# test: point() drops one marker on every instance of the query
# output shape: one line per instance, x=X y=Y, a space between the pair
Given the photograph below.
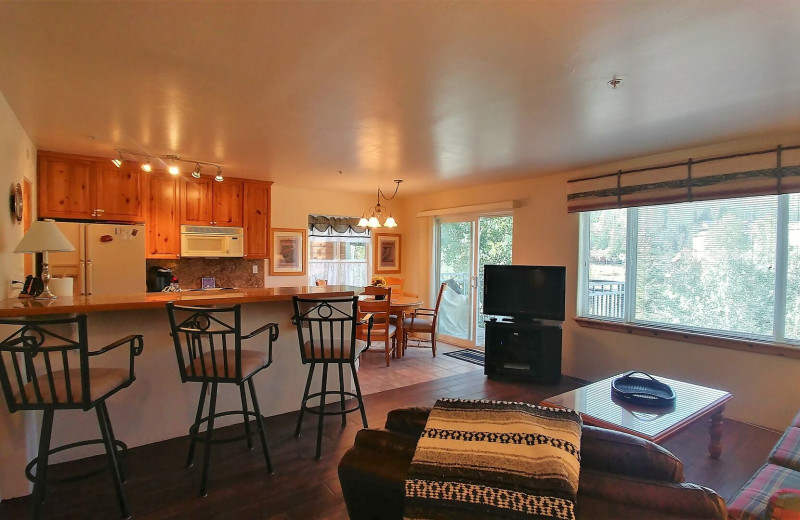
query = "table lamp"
x=44 y=236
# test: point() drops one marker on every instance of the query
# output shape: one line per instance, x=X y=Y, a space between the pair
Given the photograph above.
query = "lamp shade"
x=44 y=235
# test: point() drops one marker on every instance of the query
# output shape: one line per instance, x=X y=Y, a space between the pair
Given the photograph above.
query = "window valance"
x=765 y=172
x=333 y=226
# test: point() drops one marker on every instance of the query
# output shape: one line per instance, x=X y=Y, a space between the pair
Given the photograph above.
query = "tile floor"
x=417 y=366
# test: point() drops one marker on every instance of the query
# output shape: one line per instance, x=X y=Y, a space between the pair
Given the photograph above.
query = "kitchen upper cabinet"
x=77 y=187
x=256 y=219
x=205 y=202
x=228 y=198
x=119 y=192
x=163 y=217
x=64 y=187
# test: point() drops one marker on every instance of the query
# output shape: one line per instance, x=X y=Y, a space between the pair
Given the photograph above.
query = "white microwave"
x=212 y=241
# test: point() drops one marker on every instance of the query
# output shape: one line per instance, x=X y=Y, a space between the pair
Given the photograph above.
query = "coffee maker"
x=158 y=278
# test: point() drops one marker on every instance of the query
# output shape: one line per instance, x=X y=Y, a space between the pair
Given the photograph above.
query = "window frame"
x=776 y=344
x=338 y=238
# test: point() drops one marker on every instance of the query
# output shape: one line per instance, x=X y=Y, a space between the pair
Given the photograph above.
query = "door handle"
x=89 y=277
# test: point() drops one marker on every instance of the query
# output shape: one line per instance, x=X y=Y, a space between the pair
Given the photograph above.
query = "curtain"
x=322 y=225
x=765 y=172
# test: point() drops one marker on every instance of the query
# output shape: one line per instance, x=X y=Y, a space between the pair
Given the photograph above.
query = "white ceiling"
x=436 y=93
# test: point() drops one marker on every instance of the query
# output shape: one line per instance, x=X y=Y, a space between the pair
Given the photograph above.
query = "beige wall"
x=764 y=387
x=292 y=206
x=17 y=161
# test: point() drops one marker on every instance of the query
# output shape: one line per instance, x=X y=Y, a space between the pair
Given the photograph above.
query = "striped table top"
x=597 y=407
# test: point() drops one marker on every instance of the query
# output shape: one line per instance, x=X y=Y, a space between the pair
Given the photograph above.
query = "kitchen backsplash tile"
x=228 y=272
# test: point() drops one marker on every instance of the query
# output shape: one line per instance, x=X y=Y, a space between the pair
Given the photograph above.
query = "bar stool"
x=38 y=371
x=329 y=339
x=209 y=351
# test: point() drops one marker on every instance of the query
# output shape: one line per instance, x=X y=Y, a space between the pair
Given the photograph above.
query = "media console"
x=526 y=350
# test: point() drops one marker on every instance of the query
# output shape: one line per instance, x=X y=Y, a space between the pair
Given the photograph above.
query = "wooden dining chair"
x=423 y=321
x=395 y=284
x=321 y=283
x=382 y=328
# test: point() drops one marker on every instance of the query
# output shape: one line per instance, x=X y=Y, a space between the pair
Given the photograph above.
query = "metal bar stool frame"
x=206 y=338
x=49 y=384
x=318 y=316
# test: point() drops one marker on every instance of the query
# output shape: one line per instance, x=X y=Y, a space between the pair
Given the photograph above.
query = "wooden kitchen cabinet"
x=87 y=188
x=256 y=219
x=119 y=192
x=163 y=217
x=206 y=202
x=64 y=186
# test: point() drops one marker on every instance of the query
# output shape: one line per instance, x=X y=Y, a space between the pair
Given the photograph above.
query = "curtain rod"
x=686 y=163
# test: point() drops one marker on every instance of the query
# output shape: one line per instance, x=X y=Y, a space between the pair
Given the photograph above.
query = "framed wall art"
x=387 y=253
x=288 y=252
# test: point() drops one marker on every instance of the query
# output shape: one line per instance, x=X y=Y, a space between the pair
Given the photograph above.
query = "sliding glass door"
x=463 y=246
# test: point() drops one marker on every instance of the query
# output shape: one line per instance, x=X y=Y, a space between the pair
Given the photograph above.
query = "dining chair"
x=423 y=321
x=321 y=283
x=382 y=329
x=395 y=284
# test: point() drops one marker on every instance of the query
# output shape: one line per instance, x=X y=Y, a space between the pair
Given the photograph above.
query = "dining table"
x=398 y=306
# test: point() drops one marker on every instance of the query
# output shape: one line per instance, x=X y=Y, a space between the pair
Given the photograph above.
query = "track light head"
x=196 y=172
x=218 y=178
x=118 y=161
x=146 y=166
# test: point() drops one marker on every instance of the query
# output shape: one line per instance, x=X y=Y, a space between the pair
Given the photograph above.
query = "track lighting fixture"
x=377 y=212
x=118 y=161
x=173 y=168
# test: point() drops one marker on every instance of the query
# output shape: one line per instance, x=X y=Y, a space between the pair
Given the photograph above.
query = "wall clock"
x=17 y=202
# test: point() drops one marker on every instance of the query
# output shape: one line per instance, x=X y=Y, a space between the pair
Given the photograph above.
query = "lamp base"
x=46 y=295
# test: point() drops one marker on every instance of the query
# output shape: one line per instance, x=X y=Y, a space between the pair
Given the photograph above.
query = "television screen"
x=524 y=292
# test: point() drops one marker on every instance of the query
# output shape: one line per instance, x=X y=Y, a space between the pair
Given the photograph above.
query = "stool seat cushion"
x=335 y=350
x=420 y=325
x=101 y=382
x=252 y=361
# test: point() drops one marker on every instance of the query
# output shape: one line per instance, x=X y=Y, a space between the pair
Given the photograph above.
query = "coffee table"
x=692 y=402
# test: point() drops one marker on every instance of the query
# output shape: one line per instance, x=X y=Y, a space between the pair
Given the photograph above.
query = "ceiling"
x=436 y=93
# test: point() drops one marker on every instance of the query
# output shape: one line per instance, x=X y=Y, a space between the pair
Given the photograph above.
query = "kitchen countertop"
x=67 y=305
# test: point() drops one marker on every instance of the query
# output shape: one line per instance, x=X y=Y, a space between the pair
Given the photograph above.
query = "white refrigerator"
x=108 y=258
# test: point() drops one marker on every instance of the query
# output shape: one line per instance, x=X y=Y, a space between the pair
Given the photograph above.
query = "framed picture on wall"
x=288 y=252
x=387 y=253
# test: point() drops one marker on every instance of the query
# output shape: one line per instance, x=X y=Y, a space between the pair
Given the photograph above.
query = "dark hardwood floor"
x=160 y=487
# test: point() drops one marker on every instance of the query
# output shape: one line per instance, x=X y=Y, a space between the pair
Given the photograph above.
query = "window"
x=341 y=260
x=730 y=266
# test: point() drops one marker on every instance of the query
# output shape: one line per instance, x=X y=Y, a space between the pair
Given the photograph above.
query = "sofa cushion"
x=786 y=452
x=784 y=504
x=625 y=454
x=751 y=501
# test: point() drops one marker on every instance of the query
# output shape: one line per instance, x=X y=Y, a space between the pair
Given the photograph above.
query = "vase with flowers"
x=378 y=281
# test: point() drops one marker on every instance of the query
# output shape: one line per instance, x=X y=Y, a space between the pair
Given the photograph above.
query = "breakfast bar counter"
x=157 y=406
x=127 y=302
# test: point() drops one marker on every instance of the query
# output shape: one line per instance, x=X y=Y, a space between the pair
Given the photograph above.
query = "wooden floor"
x=159 y=487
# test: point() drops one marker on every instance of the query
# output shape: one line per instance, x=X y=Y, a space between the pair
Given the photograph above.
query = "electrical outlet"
x=255 y=268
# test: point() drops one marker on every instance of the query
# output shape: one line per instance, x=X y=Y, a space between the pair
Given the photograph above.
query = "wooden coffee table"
x=692 y=402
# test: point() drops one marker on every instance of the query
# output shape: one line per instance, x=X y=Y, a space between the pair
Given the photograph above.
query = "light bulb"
x=174 y=170
x=146 y=167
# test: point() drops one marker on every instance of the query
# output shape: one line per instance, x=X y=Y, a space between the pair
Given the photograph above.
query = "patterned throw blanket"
x=495 y=459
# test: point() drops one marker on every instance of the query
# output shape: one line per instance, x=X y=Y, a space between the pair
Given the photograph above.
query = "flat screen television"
x=524 y=292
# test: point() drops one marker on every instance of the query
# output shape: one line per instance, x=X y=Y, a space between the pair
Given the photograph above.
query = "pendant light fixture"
x=373 y=216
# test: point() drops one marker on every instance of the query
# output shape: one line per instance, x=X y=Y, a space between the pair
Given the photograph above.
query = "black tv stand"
x=529 y=350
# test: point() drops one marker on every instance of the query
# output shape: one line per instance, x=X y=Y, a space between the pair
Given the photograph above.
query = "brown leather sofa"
x=622 y=476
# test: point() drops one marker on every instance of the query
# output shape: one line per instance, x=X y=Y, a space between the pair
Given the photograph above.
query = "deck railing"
x=607 y=298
